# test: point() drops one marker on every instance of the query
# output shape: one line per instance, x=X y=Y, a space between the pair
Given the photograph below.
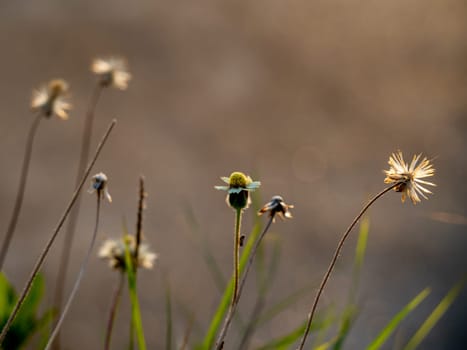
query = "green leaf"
x=350 y=312
x=287 y=340
x=42 y=324
x=435 y=316
x=347 y=322
x=26 y=322
x=283 y=304
x=362 y=242
x=32 y=301
x=209 y=258
x=273 y=268
x=265 y=280
x=135 y=309
x=226 y=297
x=7 y=298
x=396 y=320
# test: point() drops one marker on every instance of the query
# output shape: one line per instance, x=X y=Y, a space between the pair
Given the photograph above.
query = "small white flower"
x=52 y=99
x=409 y=176
x=114 y=251
x=113 y=71
x=99 y=185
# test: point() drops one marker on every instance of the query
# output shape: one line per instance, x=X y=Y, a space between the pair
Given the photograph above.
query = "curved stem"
x=113 y=310
x=47 y=247
x=334 y=259
x=71 y=227
x=22 y=186
x=233 y=306
x=82 y=270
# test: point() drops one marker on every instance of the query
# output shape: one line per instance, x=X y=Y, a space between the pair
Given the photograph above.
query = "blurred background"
x=309 y=97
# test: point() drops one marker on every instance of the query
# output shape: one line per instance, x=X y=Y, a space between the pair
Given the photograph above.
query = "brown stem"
x=334 y=259
x=71 y=227
x=44 y=253
x=82 y=270
x=139 y=220
x=22 y=186
x=233 y=306
x=113 y=310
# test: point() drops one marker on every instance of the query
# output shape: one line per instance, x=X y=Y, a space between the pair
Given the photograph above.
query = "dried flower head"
x=99 y=185
x=277 y=206
x=239 y=186
x=114 y=251
x=112 y=71
x=52 y=99
x=409 y=176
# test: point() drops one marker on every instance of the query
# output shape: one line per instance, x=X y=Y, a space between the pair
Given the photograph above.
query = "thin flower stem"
x=71 y=227
x=44 y=253
x=334 y=259
x=238 y=224
x=22 y=186
x=82 y=270
x=113 y=310
x=233 y=306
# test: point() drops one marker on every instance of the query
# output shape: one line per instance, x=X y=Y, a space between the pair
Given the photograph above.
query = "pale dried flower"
x=409 y=177
x=99 y=185
x=113 y=71
x=277 y=206
x=52 y=99
x=114 y=251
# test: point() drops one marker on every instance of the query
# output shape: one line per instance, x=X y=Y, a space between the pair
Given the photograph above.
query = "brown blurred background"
x=310 y=97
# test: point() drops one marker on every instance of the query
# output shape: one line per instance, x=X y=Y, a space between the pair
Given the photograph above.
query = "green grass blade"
x=209 y=258
x=273 y=267
x=260 y=269
x=7 y=298
x=135 y=309
x=435 y=316
x=287 y=340
x=283 y=304
x=32 y=301
x=396 y=320
x=264 y=284
x=226 y=297
x=41 y=326
x=350 y=312
x=360 y=250
x=349 y=316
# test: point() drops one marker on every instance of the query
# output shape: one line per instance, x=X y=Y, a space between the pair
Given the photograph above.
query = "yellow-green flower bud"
x=238 y=179
x=238 y=187
x=239 y=200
